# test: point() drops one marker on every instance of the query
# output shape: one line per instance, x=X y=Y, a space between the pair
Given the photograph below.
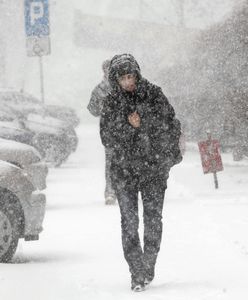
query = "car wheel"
x=8 y=234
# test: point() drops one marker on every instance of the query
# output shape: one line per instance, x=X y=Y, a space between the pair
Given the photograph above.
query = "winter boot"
x=147 y=281
x=138 y=287
x=149 y=277
x=137 y=284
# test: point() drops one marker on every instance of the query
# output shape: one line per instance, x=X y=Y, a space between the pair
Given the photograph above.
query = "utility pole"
x=41 y=80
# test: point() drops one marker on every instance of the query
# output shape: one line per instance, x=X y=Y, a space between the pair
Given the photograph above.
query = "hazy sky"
x=197 y=13
x=68 y=63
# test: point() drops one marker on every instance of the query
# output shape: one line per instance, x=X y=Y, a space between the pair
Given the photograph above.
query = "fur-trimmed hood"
x=120 y=65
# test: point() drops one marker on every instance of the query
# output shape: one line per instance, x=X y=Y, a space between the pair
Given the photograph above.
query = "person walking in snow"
x=95 y=106
x=139 y=125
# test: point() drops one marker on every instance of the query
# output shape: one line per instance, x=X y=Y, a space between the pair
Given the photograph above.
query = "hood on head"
x=121 y=65
x=105 y=66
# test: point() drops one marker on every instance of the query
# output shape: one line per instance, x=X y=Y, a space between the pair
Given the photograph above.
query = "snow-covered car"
x=12 y=130
x=25 y=103
x=52 y=137
x=54 y=144
x=28 y=159
x=19 y=102
x=67 y=114
x=7 y=114
x=37 y=122
x=22 y=210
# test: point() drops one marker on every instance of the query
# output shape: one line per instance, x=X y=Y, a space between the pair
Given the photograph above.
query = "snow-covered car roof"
x=17 y=95
x=6 y=166
x=5 y=131
x=6 y=128
x=16 y=152
x=46 y=120
x=25 y=103
x=10 y=124
x=5 y=116
x=37 y=124
x=61 y=109
x=11 y=127
x=12 y=131
x=65 y=113
x=19 y=101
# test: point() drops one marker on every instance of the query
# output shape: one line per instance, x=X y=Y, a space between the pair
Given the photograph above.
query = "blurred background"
x=195 y=50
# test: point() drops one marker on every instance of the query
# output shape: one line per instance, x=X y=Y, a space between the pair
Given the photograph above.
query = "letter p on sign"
x=36 y=12
x=36 y=18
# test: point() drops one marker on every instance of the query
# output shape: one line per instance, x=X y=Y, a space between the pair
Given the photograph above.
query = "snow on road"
x=204 y=252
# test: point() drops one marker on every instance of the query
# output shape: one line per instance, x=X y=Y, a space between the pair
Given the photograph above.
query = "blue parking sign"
x=36 y=18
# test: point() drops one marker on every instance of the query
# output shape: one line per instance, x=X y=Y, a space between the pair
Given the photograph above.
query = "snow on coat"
x=155 y=144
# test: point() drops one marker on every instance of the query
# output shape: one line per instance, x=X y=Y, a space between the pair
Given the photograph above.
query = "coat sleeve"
x=115 y=131
x=169 y=129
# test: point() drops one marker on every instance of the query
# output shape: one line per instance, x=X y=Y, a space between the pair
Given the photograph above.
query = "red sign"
x=210 y=156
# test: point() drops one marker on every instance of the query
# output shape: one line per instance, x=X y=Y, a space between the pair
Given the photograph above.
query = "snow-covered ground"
x=204 y=253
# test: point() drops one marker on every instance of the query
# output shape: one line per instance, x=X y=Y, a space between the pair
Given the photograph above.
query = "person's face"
x=127 y=82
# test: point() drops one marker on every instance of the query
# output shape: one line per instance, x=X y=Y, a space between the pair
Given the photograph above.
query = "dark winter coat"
x=154 y=146
x=97 y=98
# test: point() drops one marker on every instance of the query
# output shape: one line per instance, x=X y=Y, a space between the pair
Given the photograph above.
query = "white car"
x=26 y=103
x=28 y=159
x=64 y=113
x=12 y=130
x=22 y=210
x=54 y=138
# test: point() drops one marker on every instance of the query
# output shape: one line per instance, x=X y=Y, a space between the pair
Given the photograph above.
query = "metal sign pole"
x=41 y=80
x=216 y=180
x=213 y=163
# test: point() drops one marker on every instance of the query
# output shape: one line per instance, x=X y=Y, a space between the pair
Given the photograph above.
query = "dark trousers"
x=152 y=188
x=109 y=192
